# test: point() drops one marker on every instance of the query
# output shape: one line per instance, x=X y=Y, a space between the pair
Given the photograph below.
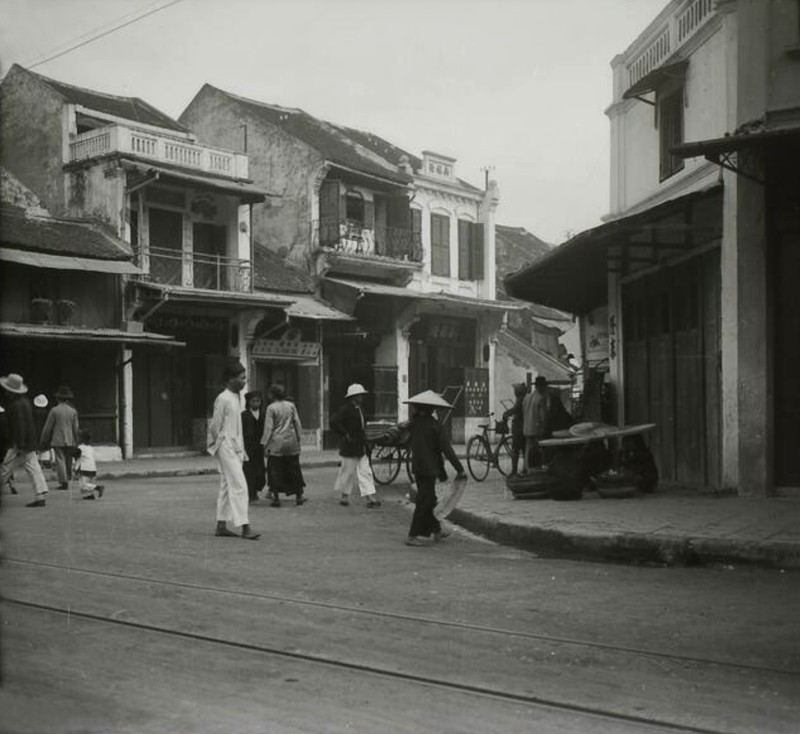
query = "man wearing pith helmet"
x=22 y=439
x=354 y=471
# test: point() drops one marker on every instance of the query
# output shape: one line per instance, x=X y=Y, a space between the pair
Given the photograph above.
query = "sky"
x=516 y=86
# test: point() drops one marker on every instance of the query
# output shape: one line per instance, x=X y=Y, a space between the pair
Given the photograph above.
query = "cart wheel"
x=410 y=473
x=478 y=458
x=385 y=463
x=504 y=460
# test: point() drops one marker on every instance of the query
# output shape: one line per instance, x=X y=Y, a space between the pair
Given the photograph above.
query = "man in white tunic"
x=226 y=443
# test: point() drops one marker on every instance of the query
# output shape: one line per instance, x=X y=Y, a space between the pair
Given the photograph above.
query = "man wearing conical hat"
x=22 y=439
x=429 y=448
x=61 y=433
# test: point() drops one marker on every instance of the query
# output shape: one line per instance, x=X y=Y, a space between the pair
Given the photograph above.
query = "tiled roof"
x=272 y=273
x=129 y=108
x=520 y=240
x=327 y=139
x=60 y=236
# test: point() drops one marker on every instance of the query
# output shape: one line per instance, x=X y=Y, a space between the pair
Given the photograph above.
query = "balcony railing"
x=161 y=149
x=669 y=37
x=352 y=237
x=170 y=266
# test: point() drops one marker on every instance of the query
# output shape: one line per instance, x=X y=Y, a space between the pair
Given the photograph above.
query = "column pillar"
x=127 y=403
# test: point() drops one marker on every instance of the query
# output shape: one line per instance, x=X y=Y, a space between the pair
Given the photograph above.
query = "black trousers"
x=424 y=523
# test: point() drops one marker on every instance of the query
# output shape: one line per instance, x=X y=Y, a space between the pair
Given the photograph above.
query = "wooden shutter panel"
x=464 y=250
x=476 y=251
x=440 y=245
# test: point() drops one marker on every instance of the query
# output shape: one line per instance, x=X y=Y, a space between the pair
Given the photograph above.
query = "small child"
x=86 y=468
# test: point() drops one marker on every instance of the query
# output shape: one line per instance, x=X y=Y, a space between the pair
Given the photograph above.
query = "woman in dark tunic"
x=429 y=446
x=252 y=429
x=517 y=420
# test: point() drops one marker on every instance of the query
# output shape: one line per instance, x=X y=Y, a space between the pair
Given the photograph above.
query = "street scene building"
x=686 y=294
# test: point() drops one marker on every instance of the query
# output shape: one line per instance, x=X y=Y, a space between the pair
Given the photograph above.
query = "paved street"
x=127 y=615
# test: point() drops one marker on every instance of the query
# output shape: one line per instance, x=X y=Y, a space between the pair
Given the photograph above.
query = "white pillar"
x=127 y=403
x=403 y=352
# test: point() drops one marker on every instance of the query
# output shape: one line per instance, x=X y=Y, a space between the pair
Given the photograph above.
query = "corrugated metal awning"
x=225 y=298
x=308 y=307
x=86 y=334
x=380 y=289
x=66 y=262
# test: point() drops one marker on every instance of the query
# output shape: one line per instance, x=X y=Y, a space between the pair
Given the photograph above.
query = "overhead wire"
x=103 y=34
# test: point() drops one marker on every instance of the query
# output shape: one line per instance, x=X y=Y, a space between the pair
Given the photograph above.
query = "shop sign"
x=285 y=348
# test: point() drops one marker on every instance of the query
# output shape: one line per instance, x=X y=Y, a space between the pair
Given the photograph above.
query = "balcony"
x=123 y=140
x=170 y=266
x=350 y=237
x=676 y=30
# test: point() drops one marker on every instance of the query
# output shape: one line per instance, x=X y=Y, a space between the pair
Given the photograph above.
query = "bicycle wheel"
x=478 y=458
x=504 y=461
x=385 y=463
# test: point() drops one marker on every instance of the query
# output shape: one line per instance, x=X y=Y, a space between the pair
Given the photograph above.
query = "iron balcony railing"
x=207 y=271
x=352 y=237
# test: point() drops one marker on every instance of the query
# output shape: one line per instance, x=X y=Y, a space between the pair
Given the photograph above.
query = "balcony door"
x=166 y=246
x=210 y=269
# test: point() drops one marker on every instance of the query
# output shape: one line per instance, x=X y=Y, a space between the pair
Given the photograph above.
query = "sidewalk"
x=672 y=526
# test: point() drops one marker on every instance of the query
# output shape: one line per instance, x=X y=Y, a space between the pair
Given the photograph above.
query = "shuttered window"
x=440 y=245
x=670 y=132
x=470 y=250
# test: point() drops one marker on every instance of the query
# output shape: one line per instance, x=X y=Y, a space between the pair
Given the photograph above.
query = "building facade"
x=698 y=256
x=397 y=242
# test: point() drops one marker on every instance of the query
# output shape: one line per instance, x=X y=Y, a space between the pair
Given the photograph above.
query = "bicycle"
x=481 y=457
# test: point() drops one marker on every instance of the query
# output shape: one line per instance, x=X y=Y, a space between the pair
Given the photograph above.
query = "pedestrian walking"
x=252 y=430
x=281 y=441
x=515 y=413
x=86 y=467
x=22 y=439
x=226 y=443
x=429 y=448
x=60 y=433
x=354 y=470
x=4 y=446
x=543 y=413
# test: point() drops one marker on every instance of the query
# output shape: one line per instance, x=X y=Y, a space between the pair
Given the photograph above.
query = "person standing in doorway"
x=354 y=470
x=22 y=439
x=252 y=429
x=429 y=448
x=281 y=440
x=226 y=443
x=61 y=433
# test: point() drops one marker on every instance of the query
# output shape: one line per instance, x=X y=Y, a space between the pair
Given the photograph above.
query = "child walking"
x=86 y=467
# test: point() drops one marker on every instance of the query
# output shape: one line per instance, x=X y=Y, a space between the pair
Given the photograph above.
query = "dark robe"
x=254 y=468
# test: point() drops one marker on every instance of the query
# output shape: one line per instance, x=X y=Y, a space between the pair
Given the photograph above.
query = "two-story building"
x=399 y=243
x=694 y=273
x=185 y=210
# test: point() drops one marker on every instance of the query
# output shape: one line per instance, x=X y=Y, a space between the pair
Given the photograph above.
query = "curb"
x=199 y=471
x=630 y=548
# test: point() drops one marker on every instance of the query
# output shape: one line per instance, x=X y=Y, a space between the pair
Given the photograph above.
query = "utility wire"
x=105 y=33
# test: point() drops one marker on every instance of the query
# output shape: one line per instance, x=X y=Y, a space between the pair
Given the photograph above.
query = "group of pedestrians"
x=73 y=454
x=246 y=463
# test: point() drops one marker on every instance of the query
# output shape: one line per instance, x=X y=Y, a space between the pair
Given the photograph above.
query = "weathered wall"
x=278 y=162
x=31 y=136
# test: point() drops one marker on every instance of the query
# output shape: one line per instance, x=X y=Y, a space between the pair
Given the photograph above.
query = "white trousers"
x=232 y=498
x=28 y=460
x=354 y=472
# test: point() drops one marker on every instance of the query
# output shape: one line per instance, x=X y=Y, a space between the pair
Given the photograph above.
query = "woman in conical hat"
x=429 y=446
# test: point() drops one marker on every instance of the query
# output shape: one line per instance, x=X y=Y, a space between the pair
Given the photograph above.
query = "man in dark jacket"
x=429 y=447
x=22 y=439
x=348 y=422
